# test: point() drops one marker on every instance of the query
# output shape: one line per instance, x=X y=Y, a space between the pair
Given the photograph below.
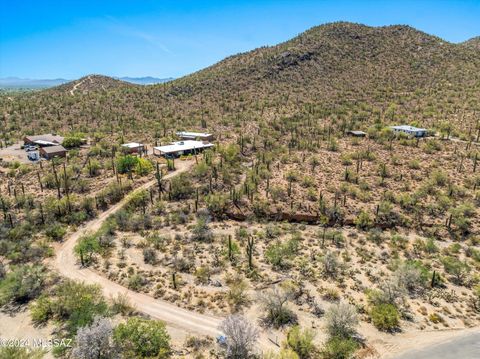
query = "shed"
x=356 y=133
x=134 y=147
x=48 y=139
x=176 y=149
x=53 y=151
x=185 y=135
x=410 y=130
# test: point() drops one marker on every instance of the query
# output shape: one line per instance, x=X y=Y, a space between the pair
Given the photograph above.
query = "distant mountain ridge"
x=21 y=83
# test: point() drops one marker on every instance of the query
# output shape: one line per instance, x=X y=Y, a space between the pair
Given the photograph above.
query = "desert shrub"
x=136 y=282
x=22 y=284
x=142 y=338
x=375 y=235
x=241 y=337
x=216 y=204
x=237 y=294
x=331 y=264
x=363 y=220
x=86 y=248
x=274 y=302
x=143 y=167
x=342 y=320
x=385 y=316
x=138 y=199
x=278 y=254
x=181 y=187
x=73 y=140
x=95 y=341
x=126 y=164
x=301 y=342
x=456 y=268
x=283 y=353
x=339 y=348
x=56 y=231
x=19 y=352
x=149 y=255
x=201 y=231
x=121 y=305
x=76 y=304
x=412 y=275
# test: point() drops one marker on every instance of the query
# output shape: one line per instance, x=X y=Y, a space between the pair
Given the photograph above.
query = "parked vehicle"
x=33 y=156
x=30 y=148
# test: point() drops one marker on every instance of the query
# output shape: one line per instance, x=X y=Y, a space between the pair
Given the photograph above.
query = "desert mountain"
x=350 y=72
x=473 y=43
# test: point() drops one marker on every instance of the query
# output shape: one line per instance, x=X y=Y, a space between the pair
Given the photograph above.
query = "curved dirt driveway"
x=66 y=264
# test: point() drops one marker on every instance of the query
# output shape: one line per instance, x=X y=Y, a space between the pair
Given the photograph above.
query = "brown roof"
x=46 y=137
x=53 y=149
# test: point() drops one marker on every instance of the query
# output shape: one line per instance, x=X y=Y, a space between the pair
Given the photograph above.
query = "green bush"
x=301 y=342
x=22 y=284
x=278 y=254
x=77 y=304
x=86 y=248
x=339 y=348
x=56 y=232
x=72 y=141
x=385 y=316
x=363 y=220
x=143 y=167
x=126 y=164
x=143 y=338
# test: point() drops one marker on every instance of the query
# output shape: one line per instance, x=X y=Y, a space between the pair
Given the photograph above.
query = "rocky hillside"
x=351 y=74
x=91 y=83
x=473 y=43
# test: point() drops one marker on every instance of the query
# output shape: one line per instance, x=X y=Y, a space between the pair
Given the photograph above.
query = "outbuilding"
x=48 y=139
x=410 y=130
x=356 y=133
x=133 y=147
x=203 y=136
x=53 y=151
x=180 y=148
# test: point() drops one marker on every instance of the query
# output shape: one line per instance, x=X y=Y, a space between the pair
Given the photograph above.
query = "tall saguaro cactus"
x=250 y=246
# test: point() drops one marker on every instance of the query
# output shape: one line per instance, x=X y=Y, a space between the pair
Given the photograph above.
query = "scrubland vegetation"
x=289 y=229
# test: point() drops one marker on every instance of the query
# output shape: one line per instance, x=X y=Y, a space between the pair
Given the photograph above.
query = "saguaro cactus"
x=250 y=245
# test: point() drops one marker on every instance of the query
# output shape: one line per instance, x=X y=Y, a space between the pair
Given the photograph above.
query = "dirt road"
x=66 y=264
x=72 y=91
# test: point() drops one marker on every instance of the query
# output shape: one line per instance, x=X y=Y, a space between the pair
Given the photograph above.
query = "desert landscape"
x=308 y=225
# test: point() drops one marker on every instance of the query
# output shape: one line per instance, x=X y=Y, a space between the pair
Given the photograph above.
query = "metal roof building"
x=134 y=147
x=180 y=148
x=48 y=139
x=53 y=151
x=410 y=130
x=185 y=135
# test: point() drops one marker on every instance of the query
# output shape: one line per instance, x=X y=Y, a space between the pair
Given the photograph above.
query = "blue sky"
x=71 y=38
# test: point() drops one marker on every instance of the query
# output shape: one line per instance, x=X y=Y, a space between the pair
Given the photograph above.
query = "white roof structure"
x=194 y=134
x=180 y=146
x=132 y=145
x=45 y=143
x=408 y=128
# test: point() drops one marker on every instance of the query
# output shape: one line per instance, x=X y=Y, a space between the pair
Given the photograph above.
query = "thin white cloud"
x=126 y=30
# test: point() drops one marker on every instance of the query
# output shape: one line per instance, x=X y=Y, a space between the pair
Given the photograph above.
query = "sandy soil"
x=19 y=326
x=66 y=264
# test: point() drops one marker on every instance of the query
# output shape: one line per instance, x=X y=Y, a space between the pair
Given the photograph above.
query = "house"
x=176 y=149
x=410 y=130
x=355 y=133
x=53 y=151
x=133 y=147
x=184 y=135
x=48 y=139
